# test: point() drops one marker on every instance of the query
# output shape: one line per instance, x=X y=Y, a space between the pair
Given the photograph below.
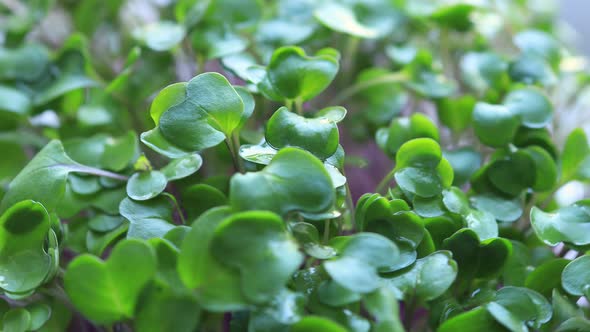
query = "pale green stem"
x=385 y=182
x=396 y=77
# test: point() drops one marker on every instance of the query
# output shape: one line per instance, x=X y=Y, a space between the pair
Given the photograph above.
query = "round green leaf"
x=217 y=286
x=547 y=276
x=420 y=181
x=419 y=152
x=545 y=168
x=502 y=209
x=475 y=320
x=160 y=36
x=171 y=95
x=576 y=276
x=429 y=277
x=294 y=75
x=531 y=105
x=210 y=112
x=403 y=129
x=538 y=43
x=512 y=174
x=295 y=180
x=465 y=161
x=145 y=185
x=16 y=320
x=182 y=167
x=569 y=224
x=483 y=71
x=475 y=259
x=317 y=323
x=147 y=219
x=361 y=258
x=107 y=292
x=340 y=18
x=316 y=135
x=264 y=245
x=39 y=313
x=24 y=264
x=495 y=125
x=157 y=142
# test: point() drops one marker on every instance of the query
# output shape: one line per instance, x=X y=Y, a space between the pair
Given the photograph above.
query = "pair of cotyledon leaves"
x=421 y=169
x=496 y=125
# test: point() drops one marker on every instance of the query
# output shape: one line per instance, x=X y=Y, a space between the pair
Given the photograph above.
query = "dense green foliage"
x=180 y=166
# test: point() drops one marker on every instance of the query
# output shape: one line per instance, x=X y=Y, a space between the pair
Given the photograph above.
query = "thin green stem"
x=176 y=206
x=396 y=77
x=385 y=182
x=236 y=147
x=299 y=106
x=230 y=146
x=289 y=104
x=326 y=231
x=352 y=45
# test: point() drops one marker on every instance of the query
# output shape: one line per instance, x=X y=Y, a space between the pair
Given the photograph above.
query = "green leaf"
x=295 y=75
x=512 y=174
x=24 y=263
x=16 y=320
x=39 y=313
x=545 y=168
x=165 y=310
x=383 y=305
x=547 y=276
x=14 y=101
x=576 y=276
x=483 y=71
x=456 y=113
x=182 y=167
x=265 y=245
x=171 y=95
x=429 y=277
x=217 y=286
x=340 y=18
x=147 y=219
x=575 y=154
x=404 y=129
x=44 y=178
x=569 y=224
x=532 y=69
x=465 y=162
x=531 y=105
x=107 y=292
x=419 y=152
x=195 y=205
x=317 y=135
x=284 y=309
x=316 y=323
x=494 y=125
x=360 y=259
x=24 y=63
x=475 y=259
x=215 y=42
x=502 y=209
x=210 y=112
x=538 y=43
x=157 y=142
x=295 y=180
x=308 y=237
x=475 y=320
x=160 y=36
x=517 y=307
x=71 y=66
x=146 y=185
